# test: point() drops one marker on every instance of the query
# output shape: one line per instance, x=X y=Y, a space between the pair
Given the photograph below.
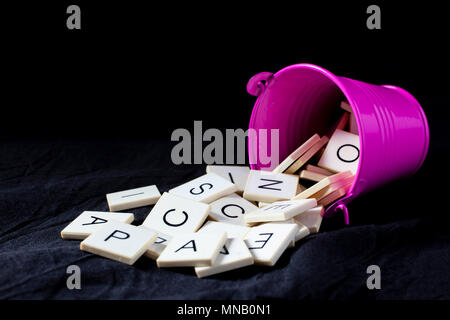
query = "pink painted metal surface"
x=301 y=100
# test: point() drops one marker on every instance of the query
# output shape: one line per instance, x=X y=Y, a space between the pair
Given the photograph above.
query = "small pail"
x=304 y=99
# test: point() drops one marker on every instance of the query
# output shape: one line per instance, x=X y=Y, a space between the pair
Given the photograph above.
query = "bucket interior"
x=299 y=101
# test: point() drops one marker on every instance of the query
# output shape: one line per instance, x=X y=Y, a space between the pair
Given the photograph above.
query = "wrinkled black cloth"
x=46 y=184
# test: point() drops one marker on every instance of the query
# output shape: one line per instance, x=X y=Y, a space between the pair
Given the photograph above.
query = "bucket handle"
x=340 y=205
x=257 y=83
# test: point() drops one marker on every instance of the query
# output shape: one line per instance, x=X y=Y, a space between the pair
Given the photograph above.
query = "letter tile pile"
x=230 y=217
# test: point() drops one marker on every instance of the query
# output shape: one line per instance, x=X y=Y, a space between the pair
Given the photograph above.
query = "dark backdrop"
x=135 y=72
x=139 y=71
x=133 y=65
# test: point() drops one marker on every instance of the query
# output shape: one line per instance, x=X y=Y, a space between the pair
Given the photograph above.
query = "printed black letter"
x=266 y=186
x=185 y=246
x=113 y=235
x=174 y=224
x=201 y=188
x=270 y=234
x=95 y=221
x=231 y=205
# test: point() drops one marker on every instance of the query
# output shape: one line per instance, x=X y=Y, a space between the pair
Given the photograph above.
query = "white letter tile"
x=269 y=187
x=192 y=250
x=119 y=241
x=235 y=174
x=90 y=221
x=206 y=188
x=231 y=209
x=133 y=198
x=173 y=214
x=233 y=255
x=268 y=241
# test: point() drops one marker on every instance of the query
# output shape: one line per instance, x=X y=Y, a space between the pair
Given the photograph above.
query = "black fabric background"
x=88 y=113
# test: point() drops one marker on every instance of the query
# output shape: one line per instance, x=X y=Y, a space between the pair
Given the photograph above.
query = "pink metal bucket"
x=302 y=99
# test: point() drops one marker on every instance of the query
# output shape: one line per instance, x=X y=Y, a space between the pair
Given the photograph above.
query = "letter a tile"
x=192 y=250
x=90 y=221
